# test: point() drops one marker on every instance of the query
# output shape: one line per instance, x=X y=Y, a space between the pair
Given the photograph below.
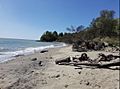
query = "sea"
x=10 y=48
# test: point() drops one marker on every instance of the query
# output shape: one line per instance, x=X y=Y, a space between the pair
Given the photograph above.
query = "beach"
x=26 y=72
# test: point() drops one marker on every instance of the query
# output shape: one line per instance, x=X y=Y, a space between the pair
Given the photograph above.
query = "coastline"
x=24 y=73
x=9 y=53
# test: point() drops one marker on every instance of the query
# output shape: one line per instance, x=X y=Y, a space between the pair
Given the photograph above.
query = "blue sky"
x=29 y=19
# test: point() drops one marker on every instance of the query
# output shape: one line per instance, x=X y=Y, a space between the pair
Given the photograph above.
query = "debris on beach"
x=40 y=63
x=67 y=59
x=84 y=46
x=34 y=59
x=43 y=51
x=87 y=61
x=103 y=57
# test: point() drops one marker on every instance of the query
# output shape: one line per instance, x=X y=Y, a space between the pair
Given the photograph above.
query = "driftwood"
x=103 y=57
x=92 y=64
x=109 y=64
x=83 y=46
x=75 y=64
x=84 y=57
x=67 y=59
x=89 y=62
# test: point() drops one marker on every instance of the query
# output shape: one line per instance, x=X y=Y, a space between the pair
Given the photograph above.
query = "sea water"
x=10 y=48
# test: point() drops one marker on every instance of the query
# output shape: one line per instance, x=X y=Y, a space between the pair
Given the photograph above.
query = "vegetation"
x=103 y=28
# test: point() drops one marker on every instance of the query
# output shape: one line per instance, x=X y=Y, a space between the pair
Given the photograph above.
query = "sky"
x=29 y=19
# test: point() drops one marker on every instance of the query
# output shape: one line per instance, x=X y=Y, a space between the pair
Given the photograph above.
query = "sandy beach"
x=26 y=73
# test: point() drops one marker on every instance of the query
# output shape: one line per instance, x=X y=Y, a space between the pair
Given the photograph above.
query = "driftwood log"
x=109 y=65
x=84 y=57
x=103 y=57
x=92 y=64
x=83 y=46
x=67 y=60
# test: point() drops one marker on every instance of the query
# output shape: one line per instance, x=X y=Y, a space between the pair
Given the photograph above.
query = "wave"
x=5 y=56
x=2 y=49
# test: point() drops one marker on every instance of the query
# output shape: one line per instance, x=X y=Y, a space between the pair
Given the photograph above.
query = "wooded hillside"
x=104 y=28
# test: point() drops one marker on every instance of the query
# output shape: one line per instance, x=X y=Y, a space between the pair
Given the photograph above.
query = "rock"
x=66 y=86
x=56 y=76
x=44 y=82
x=32 y=71
x=51 y=57
x=34 y=59
x=43 y=51
x=79 y=72
x=40 y=63
x=96 y=85
x=87 y=83
x=28 y=87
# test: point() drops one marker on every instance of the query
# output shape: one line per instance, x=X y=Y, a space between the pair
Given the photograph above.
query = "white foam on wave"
x=5 y=56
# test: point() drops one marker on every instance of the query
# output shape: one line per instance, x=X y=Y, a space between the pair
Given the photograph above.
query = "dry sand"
x=23 y=73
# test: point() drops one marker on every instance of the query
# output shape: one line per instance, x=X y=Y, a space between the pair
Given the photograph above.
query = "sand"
x=25 y=73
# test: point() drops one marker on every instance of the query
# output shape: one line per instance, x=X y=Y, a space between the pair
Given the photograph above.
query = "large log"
x=92 y=64
x=109 y=65
x=67 y=59
x=75 y=64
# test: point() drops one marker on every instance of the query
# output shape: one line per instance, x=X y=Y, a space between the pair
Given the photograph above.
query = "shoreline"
x=25 y=73
x=5 y=56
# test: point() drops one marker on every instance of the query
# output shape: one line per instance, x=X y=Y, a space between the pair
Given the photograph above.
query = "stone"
x=34 y=59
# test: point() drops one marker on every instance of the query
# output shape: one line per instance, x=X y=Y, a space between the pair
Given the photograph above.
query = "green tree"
x=107 y=14
x=79 y=28
x=55 y=33
x=105 y=24
x=61 y=34
x=75 y=30
x=48 y=36
x=71 y=29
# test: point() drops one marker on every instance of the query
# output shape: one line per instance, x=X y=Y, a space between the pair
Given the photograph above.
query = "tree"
x=103 y=28
x=107 y=14
x=75 y=30
x=61 y=34
x=55 y=33
x=79 y=28
x=71 y=29
x=104 y=24
x=49 y=36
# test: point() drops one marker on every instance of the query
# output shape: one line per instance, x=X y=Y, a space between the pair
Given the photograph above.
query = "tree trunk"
x=91 y=64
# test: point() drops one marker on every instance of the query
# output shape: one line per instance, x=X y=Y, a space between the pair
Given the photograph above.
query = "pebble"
x=34 y=59
x=66 y=86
